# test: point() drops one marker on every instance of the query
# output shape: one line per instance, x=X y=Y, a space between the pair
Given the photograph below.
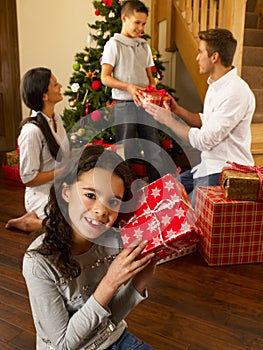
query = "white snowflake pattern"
x=157 y=241
x=175 y=197
x=152 y=226
x=169 y=185
x=166 y=219
x=171 y=233
x=138 y=233
x=156 y=192
x=125 y=239
x=180 y=213
x=185 y=227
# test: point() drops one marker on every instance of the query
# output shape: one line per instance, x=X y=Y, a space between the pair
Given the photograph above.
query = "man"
x=222 y=131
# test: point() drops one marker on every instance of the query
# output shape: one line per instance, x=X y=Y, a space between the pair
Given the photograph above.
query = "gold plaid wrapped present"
x=241 y=182
x=151 y=94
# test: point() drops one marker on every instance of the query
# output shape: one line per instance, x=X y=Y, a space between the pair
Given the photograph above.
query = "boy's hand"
x=133 y=90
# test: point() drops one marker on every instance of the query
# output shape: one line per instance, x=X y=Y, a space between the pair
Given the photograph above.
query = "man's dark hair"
x=133 y=6
x=221 y=41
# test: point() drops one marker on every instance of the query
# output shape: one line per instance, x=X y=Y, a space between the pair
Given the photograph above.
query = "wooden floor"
x=190 y=306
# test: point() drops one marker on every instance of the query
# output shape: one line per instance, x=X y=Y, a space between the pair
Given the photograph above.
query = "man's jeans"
x=190 y=184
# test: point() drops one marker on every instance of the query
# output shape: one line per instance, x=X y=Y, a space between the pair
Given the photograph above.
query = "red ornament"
x=166 y=144
x=96 y=85
x=97 y=12
x=96 y=116
x=108 y=3
x=153 y=69
x=87 y=108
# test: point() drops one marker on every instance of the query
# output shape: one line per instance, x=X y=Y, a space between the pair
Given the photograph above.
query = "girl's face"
x=93 y=203
x=133 y=26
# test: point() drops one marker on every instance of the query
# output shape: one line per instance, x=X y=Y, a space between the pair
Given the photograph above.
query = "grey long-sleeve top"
x=66 y=315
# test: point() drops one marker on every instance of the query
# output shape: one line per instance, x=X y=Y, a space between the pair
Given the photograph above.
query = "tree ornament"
x=111 y=14
x=90 y=74
x=81 y=131
x=108 y=3
x=96 y=85
x=97 y=12
x=75 y=87
x=73 y=138
x=76 y=66
x=99 y=32
x=89 y=39
x=86 y=58
x=85 y=96
x=72 y=103
x=87 y=108
x=96 y=116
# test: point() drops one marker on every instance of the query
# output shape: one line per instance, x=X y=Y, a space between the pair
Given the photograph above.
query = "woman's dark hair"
x=222 y=41
x=56 y=225
x=34 y=84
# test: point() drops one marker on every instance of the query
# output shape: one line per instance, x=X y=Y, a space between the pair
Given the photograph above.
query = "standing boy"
x=126 y=68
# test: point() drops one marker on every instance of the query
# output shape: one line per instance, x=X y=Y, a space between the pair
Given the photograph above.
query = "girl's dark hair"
x=56 y=225
x=34 y=84
x=222 y=41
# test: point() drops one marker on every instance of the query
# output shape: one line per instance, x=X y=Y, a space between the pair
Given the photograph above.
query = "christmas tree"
x=90 y=115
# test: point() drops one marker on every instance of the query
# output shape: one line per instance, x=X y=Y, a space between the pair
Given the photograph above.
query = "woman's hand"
x=123 y=268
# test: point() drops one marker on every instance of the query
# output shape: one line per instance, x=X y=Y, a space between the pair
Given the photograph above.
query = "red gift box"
x=151 y=94
x=11 y=173
x=164 y=217
x=231 y=230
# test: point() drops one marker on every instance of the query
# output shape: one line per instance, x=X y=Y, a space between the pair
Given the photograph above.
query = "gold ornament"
x=72 y=103
x=86 y=58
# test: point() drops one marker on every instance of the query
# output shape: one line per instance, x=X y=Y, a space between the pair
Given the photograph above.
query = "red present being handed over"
x=164 y=218
x=151 y=94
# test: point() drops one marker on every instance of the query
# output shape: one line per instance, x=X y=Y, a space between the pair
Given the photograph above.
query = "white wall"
x=51 y=32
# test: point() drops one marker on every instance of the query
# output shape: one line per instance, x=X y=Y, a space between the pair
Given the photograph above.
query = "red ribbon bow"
x=150 y=88
x=252 y=169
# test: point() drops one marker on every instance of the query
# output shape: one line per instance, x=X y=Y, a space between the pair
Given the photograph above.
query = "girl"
x=81 y=283
x=41 y=137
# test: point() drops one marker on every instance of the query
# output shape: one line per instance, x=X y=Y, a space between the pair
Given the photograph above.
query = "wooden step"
x=253 y=75
x=252 y=56
x=253 y=37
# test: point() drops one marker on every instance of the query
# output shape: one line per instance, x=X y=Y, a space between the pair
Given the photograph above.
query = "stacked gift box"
x=230 y=217
x=11 y=166
x=164 y=217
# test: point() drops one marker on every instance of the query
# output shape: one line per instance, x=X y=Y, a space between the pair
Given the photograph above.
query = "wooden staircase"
x=252 y=72
x=186 y=17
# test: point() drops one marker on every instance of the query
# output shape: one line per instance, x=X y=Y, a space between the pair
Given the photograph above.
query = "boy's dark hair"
x=133 y=6
x=34 y=84
x=56 y=225
x=221 y=41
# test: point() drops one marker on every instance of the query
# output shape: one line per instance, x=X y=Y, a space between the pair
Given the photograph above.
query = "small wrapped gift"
x=12 y=158
x=231 y=231
x=242 y=182
x=151 y=94
x=164 y=217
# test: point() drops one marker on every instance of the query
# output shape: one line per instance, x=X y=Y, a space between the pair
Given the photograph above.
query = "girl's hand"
x=144 y=277
x=123 y=268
